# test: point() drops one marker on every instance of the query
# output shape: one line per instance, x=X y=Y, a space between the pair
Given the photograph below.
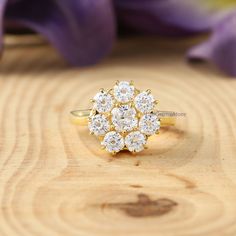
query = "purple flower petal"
x=189 y=15
x=2 y=9
x=221 y=47
x=82 y=30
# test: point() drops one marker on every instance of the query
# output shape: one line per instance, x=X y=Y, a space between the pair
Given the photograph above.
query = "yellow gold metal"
x=110 y=91
x=168 y=121
x=123 y=133
x=81 y=118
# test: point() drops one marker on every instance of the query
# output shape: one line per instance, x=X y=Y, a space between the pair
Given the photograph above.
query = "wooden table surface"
x=54 y=178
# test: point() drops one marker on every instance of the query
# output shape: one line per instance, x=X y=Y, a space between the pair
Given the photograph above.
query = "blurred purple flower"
x=84 y=30
x=151 y=15
x=221 y=47
x=187 y=17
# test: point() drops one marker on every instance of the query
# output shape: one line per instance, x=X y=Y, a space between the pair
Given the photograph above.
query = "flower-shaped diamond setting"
x=123 y=118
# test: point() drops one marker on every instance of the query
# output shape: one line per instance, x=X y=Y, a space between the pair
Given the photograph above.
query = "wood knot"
x=145 y=207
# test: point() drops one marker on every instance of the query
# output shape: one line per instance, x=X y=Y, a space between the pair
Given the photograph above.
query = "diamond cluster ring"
x=123 y=118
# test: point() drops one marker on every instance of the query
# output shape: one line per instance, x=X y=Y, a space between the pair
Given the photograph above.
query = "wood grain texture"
x=55 y=181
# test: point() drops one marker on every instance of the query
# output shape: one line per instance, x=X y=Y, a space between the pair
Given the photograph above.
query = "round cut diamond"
x=124 y=92
x=135 y=141
x=103 y=102
x=149 y=124
x=113 y=142
x=124 y=118
x=144 y=102
x=99 y=125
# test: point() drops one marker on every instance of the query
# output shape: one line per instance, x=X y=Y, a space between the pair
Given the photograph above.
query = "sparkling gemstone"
x=103 y=102
x=124 y=92
x=99 y=125
x=124 y=118
x=113 y=142
x=144 y=102
x=135 y=141
x=149 y=124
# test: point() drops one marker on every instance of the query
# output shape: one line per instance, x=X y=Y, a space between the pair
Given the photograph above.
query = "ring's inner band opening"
x=80 y=117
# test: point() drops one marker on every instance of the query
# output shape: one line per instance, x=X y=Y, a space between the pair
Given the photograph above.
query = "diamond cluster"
x=123 y=118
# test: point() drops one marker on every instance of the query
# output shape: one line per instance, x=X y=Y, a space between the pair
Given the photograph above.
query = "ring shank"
x=80 y=117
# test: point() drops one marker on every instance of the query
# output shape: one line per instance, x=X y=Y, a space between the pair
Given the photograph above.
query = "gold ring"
x=123 y=118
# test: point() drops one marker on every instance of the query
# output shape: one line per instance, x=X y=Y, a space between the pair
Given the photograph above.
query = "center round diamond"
x=124 y=118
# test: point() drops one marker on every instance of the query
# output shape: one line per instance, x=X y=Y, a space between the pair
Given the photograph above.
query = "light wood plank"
x=54 y=178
